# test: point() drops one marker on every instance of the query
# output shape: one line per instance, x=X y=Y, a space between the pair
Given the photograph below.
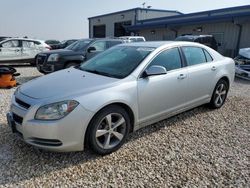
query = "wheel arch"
x=120 y=104
x=71 y=61
x=123 y=105
x=225 y=78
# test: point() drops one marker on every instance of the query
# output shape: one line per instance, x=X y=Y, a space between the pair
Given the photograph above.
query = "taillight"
x=48 y=47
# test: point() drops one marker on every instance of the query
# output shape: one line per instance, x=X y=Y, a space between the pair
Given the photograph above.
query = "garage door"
x=99 y=31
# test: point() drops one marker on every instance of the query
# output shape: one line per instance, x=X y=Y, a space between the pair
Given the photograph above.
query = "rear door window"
x=139 y=40
x=28 y=44
x=194 y=55
x=208 y=56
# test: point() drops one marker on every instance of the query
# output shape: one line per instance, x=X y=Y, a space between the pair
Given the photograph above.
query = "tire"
x=219 y=95
x=70 y=65
x=102 y=137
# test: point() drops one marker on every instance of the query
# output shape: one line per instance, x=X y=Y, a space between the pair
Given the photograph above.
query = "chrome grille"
x=22 y=104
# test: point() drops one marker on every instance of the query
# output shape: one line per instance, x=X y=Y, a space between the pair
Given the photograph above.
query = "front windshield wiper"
x=100 y=73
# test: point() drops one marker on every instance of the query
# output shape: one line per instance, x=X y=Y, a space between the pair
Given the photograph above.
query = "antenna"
x=143 y=4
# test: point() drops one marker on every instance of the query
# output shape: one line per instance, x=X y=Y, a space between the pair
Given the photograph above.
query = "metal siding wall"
x=110 y=20
x=147 y=14
x=160 y=34
x=245 y=37
x=229 y=30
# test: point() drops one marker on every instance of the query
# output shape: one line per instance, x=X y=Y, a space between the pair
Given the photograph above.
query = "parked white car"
x=123 y=89
x=133 y=38
x=21 y=50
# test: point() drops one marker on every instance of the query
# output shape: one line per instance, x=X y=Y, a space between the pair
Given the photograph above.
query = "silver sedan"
x=117 y=92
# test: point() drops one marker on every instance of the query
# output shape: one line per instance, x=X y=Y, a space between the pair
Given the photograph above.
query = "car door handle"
x=182 y=76
x=213 y=68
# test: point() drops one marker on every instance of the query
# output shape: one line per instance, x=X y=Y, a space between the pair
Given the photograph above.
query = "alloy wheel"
x=220 y=94
x=110 y=131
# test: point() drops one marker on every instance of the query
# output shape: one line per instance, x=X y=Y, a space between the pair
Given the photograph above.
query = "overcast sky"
x=64 y=19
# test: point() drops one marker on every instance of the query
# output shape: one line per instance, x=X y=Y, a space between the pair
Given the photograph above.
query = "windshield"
x=186 y=38
x=79 y=45
x=117 y=62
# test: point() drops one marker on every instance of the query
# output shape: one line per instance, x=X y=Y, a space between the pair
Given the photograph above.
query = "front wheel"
x=108 y=130
x=219 y=94
x=69 y=65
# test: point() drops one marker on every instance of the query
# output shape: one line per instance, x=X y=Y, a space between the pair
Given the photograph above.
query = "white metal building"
x=230 y=26
x=114 y=24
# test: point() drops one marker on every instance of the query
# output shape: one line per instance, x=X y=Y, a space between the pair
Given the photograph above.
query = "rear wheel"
x=219 y=94
x=108 y=130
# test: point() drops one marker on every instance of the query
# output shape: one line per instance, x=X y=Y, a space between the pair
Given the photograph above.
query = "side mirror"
x=91 y=49
x=154 y=70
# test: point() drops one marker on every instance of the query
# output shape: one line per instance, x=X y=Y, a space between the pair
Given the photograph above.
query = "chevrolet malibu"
x=121 y=90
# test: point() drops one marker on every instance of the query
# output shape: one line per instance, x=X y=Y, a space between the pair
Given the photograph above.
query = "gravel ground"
x=199 y=148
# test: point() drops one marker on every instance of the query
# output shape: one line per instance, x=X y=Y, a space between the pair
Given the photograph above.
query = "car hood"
x=63 y=52
x=66 y=83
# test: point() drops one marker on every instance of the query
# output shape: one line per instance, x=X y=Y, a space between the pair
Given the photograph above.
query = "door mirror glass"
x=154 y=70
x=91 y=49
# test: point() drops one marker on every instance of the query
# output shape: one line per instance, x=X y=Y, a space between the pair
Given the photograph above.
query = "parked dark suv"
x=207 y=40
x=73 y=55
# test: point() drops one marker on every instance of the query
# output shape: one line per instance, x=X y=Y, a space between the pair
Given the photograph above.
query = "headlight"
x=53 y=57
x=56 y=111
x=16 y=91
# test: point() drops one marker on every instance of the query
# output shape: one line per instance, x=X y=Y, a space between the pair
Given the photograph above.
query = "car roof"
x=131 y=37
x=27 y=39
x=157 y=44
x=194 y=36
x=154 y=44
x=109 y=39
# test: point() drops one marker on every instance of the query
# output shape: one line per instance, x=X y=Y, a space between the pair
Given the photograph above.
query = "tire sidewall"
x=92 y=128
x=212 y=103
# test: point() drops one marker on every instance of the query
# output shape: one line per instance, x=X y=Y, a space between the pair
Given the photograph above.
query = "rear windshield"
x=182 y=38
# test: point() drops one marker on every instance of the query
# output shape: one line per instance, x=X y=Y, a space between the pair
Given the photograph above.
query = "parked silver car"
x=119 y=91
x=20 y=50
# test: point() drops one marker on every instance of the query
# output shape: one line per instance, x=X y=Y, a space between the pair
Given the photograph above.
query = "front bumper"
x=44 y=66
x=62 y=135
x=50 y=67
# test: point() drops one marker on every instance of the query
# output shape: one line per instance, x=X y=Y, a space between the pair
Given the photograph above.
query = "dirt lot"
x=194 y=149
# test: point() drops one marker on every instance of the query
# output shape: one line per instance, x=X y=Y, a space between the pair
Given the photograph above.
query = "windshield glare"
x=78 y=45
x=117 y=62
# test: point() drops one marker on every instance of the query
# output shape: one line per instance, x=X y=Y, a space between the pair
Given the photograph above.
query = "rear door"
x=201 y=71
x=29 y=49
x=10 y=51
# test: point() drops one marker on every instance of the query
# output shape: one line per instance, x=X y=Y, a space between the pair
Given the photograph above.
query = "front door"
x=10 y=51
x=163 y=94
